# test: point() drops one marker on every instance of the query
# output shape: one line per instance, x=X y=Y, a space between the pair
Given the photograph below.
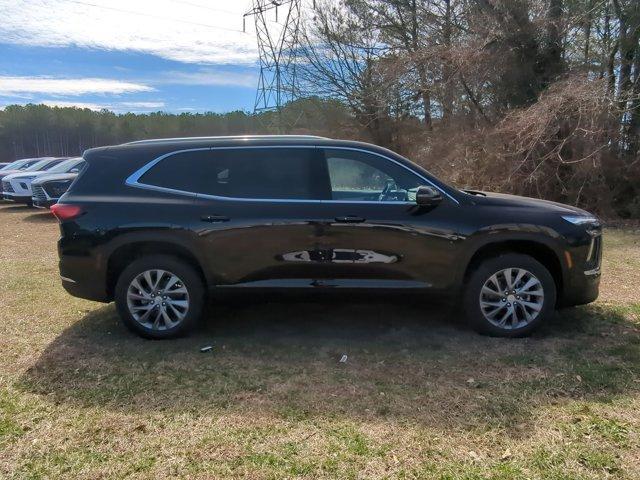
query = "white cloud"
x=63 y=104
x=142 y=105
x=14 y=86
x=211 y=77
x=198 y=32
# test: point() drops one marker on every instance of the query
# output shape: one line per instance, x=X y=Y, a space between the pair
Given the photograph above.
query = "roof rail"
x=226 y=137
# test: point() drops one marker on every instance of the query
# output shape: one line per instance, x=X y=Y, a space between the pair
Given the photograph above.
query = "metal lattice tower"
x=277 y=46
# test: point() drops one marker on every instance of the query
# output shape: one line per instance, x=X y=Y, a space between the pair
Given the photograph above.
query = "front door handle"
x=350 y=219
x=214 y=218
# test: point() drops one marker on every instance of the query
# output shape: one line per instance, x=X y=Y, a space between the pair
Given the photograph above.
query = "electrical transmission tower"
x=277 y=47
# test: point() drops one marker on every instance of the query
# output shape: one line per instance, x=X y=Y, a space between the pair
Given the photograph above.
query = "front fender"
x=514 y=236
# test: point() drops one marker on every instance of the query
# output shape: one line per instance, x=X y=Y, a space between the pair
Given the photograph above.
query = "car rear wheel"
x=159 y=296
x=509 y=296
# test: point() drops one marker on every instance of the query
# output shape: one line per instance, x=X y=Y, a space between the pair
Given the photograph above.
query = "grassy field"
x=420 y=396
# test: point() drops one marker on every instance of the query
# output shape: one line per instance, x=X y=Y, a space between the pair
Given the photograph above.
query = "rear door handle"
x=214 y=218
x=350 y=219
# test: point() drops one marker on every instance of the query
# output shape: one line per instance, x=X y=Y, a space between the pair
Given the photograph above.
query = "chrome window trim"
x=133 y=179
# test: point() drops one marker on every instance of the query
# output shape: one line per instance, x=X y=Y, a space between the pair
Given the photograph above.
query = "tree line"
x=37 y=130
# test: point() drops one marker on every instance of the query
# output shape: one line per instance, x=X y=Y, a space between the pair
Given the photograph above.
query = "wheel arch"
x=542 y=252
x=126 y=253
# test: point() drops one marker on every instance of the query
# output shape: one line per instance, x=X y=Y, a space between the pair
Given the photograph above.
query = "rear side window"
x=181 y=171
x=261 y=173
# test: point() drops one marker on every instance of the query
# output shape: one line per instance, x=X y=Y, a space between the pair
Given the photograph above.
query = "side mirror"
x=428 y=196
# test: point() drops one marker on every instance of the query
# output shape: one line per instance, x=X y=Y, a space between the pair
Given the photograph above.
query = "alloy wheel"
x=158 y=299
x=511 y=298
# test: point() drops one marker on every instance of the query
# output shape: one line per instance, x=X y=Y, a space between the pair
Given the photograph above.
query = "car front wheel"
x=509 y=296
x=159 y=296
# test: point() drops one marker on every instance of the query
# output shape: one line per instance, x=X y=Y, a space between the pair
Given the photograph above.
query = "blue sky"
x=128 y=55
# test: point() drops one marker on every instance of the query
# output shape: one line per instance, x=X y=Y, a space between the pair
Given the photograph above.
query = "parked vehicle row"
x=39 y=181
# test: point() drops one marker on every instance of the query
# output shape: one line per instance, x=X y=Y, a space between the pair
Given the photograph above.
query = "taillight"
x=64 y=211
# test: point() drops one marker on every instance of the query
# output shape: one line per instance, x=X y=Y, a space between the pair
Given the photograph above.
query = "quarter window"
x=360 y=176
x=261 y=173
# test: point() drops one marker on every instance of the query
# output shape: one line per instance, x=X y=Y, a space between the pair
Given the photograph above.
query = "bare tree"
x=342 y=58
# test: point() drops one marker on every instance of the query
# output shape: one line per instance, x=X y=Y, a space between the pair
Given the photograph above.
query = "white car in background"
x=16 y=187
x=20 y=165
x=47 y=189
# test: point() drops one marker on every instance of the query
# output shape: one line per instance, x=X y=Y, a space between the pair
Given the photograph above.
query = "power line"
x=159 y=17
x=205 y=7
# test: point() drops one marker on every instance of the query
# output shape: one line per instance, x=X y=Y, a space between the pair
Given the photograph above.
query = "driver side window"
x=360 y=176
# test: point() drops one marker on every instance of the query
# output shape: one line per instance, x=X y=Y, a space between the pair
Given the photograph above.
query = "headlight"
x=580 y=219
x=56 y=189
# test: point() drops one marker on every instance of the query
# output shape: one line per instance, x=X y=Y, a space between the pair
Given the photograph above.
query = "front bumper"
x=40 y=197
x=13 y=197
x=43 y=203
x=583 y=288
x=582 y=283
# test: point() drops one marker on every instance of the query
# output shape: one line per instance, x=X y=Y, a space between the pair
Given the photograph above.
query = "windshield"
x=20 y=164
x=42 y=165
x=67 y=165
x=12 y=165
x=28 y=164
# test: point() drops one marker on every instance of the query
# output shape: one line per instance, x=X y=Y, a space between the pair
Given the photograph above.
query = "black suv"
x=157 y=225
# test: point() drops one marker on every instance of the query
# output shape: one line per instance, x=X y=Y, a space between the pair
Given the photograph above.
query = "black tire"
x=473 y=287
x=189 y=277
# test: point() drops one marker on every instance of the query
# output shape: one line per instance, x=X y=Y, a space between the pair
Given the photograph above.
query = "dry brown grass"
x=420 y=396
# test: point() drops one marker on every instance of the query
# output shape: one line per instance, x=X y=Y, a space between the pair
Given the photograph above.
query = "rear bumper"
x=82 y=275
x=84 y=290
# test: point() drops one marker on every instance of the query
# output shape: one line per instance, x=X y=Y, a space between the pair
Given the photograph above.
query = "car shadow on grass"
x=42 y=216
x=13 y=207
x=405 y=361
